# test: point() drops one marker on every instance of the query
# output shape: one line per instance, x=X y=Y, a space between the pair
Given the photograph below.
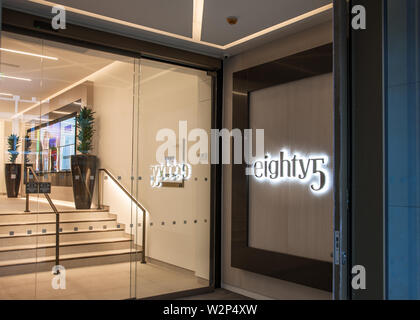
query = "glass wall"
x=44 y=87
x=172 y=160
x=402 y=131
x=118 y=139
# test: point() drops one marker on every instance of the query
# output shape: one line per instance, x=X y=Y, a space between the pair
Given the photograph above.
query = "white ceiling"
x=171 y=20
x=75 y=65
x=168 y=15
x=47 y=76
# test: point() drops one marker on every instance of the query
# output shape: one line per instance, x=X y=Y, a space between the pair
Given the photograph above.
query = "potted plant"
x=13 y=169
x=83 y=164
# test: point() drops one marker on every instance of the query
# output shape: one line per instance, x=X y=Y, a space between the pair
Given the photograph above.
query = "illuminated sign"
x=310 y=169
x=169 y=172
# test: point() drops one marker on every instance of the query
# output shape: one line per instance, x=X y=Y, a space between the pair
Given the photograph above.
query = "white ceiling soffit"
x=177 y=22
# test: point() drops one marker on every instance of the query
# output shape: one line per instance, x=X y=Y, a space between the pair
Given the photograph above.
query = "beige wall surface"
x=297 y=117
x=233 y=277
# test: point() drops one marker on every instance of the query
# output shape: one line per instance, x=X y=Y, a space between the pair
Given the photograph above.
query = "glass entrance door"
x=72 y=109
x=173 y=178
x=21 y=88
x=121 y=148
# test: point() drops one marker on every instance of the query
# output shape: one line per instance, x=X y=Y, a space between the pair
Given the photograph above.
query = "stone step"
x=75 y=260
x=49 y=227
x=15 y=253
x=25 y=218
x=65 y=236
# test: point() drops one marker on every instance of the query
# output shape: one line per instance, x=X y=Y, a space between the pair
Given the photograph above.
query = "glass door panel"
x=172 y=161
x=21 y=88
x=61 y=87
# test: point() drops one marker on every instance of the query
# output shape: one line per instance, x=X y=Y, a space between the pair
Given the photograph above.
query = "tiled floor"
x=101 y=282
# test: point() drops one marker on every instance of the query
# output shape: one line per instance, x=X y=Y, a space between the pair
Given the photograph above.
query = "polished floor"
x=114 y=281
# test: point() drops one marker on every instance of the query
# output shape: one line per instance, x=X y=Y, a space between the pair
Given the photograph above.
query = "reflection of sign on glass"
x=170 y=172
x=311 y=169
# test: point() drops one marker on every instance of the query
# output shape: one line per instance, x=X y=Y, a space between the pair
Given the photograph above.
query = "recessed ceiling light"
x=14 y=78
x=232 y=20
x=6 y=94
x=28 y=54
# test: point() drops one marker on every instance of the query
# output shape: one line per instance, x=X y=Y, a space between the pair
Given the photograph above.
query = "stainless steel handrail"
x=57 y=215
x=100 y=205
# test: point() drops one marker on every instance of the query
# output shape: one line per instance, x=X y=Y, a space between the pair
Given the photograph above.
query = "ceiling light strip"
x=14 y=78
x=28 y=54
x=280 y=25
x=197 y=25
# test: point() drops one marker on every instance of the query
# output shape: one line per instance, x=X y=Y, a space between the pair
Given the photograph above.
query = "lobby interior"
x=101 y=248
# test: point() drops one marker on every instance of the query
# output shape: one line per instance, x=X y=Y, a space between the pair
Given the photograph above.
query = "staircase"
x=87 y=237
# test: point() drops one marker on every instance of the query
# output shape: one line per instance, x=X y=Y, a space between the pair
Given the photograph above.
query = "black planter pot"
x=13 y=176
x=83 y=171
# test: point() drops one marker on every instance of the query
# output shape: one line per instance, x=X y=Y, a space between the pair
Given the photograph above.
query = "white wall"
x=113 y=104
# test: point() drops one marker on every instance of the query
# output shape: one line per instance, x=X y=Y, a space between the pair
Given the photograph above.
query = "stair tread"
x=6 y=235
x=50 y=211
x=61 y=212
x=67 y=257
x=63 y=244
x=23 y=223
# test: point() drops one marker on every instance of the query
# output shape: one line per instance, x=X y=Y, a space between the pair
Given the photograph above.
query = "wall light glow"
x=287 y=168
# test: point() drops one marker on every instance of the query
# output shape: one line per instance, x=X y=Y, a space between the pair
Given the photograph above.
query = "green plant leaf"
x=85 y=121
x=13 y=143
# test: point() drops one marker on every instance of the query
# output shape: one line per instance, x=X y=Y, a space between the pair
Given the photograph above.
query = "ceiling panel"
x=173 y=16
x=253 y=16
